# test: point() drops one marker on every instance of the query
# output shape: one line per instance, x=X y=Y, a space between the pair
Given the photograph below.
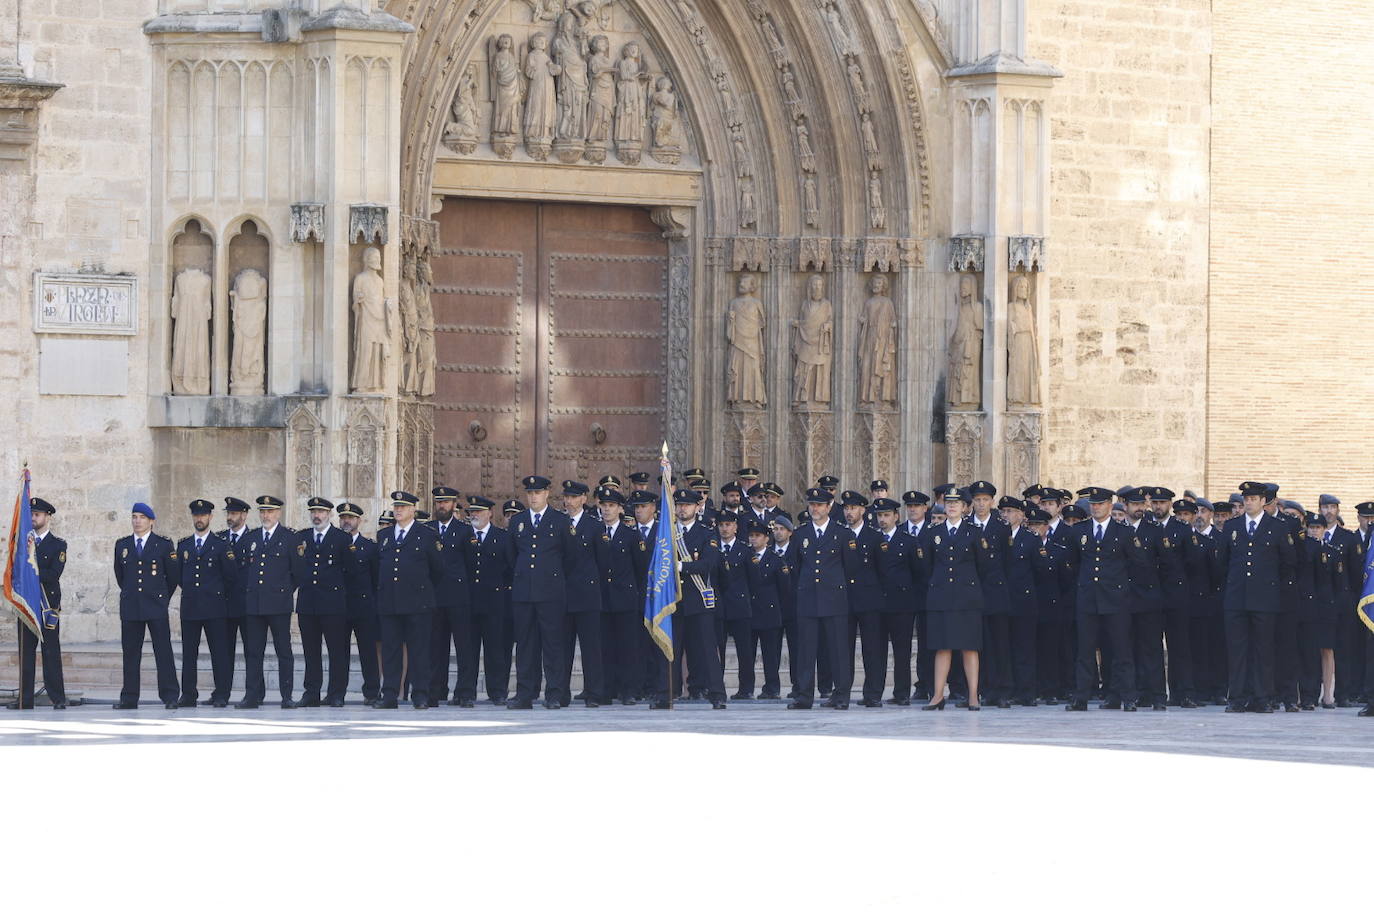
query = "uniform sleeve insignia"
x=186 y=554
x=937 y=540
x=1085 y=540
x=1233 y=535
x=351 y=548
x=520 y=527
x=62 y=557
x=125 y=554
x=300 y=549
x=252 y=547
x=806 y=542
x=714 y=543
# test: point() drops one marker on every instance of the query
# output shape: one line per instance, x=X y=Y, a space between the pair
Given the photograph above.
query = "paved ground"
x=759 y=810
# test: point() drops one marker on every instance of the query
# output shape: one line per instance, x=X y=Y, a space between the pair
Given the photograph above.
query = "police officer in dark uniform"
x=451 y=620
x=877 y=489
x=623 y=580
x=995 y=661
x=1351 y=634
x=897 y=566
x=1103 y=603
x=269 y=577
x=322 y=606
x=487 y=557
x=1177 y=541
x=1027 y=560
x=235 y=530
x=699 y=559
x=768 y=577
x=917 y=505
x=361 y=569
x=51 y=554
x=772 y=496
x=1144 y=565
x=411 y=572
x=822 y=602
x=541 y=554
x=582 y=624
x=147 y=571
x=786 y=550
x=957 y=556
x=734 y=614
x=865 y=595
x=209 y=579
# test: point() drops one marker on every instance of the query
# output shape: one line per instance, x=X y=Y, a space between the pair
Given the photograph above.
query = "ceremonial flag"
x=1364 y=608
x=665 y=588
x=22 y=590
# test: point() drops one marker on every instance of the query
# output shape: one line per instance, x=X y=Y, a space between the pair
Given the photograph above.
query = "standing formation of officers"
x=1128 y=596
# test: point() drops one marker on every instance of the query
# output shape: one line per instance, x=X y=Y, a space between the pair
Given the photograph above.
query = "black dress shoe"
x=1004 y=704
x=628 y=701
x=59 y=704
x=1291 y=707
x=219 y=704
x=14 y=704
x=741 y=695
x=839 y=704
x=186 y=704
x=420 y=704
x=660 y=704
x=1077 y=706
x=1188 y=704
x=1344 y=704
x=768 y=696
x=1328 y=706
x=245 y=704
x=961 y=704
x=307 y=702
x=591 y=704
x=1261 y=707
x=468 y=703
x=386 y=704
x=171 y=704
x=934 y=707
x=336 y=704
x=1367 y=711
x=552 y=704
x=872 y=704
x=1114 y=704
x=122 y=705
x=974 y=708
x=519 y=704
x=717 y=704
x=582 y=695
x=1159 y=707
x=798 y=704
x=1235 y=707
x=1128 y=707
x=895 y=701
x=1308 y=707
x=288 y=704
x=1031 y=702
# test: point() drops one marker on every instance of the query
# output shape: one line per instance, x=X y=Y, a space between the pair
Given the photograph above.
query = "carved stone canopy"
x=813 y=254
x=367 y=223
x=1025 y=252
x=966 y=253
x=749 y=253
x=307 y=220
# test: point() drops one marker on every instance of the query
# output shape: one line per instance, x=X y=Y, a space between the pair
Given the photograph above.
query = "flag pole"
x=665 y=480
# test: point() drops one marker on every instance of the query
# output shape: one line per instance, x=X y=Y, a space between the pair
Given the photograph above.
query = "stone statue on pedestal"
x=541 y=97
x=191 y=310
x=507 y=93
x=629 y=104
x=665 y=123
x=425 y=356
x=248 y=301
x=409 y=323
x=1023 y=353
x=371 y=325
x=461 y=133
x=814 y=345
x=878 y=346
x=966 y=350
x=601 y=101
x=744 y=322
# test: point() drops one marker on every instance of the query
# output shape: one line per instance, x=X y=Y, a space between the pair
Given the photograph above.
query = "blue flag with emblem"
x=1365 y=607
x=664 y=587
x=22 y=590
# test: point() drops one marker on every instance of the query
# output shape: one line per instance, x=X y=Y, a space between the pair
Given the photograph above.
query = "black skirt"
x=954 y=630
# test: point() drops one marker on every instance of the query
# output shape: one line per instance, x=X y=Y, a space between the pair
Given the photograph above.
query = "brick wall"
x=1292 y=302
x=1127 y=399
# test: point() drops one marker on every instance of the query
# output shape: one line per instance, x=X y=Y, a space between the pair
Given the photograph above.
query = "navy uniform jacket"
x=1347 y=544
x=489 y=571
x=703 y=548
x=360 y=578
x=269 y=571
x=626 y=572
x=240 y=549
x=1197 y=569
x=954 y=567
x=1064 y=536
x=1053 y=577
x=1142 y=567
x=997 y=534
x=589 y=543
x=787 y=581
x=453 y=590
x=1025 y=557
x=52 y=559
x=320 y=572
x=409 y=575
x=768 y=577
x=1174 y=548
x=897 y=572
x=1319 y=579
x=1103 y=580
x=865 y=586
x=823 y=570
x=209 y=578
x=145 y=583
x=1255 y=567
x=541 y=558
x=732 y=589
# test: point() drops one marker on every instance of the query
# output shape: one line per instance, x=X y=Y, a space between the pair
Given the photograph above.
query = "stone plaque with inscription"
x=79 y=303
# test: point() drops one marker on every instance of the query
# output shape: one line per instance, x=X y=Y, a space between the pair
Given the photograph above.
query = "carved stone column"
x=1021 y=449
x=964 y=441
x=307 y=457
x=877 y=431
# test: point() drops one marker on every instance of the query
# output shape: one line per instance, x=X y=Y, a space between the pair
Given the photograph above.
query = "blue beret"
x=143 y=509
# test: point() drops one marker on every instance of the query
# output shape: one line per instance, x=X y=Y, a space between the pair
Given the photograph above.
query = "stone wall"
x=81 y=198
x=1291 y=300
x=1128 y=240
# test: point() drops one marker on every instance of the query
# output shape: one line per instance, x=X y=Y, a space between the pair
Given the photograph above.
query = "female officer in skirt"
x=956 y=557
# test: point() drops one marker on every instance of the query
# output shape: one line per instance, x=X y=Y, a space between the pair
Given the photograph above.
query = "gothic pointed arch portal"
x=680 y=145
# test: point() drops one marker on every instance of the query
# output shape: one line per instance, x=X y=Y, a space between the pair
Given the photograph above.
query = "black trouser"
x=898 y=628
x=255 y=627
x=703 y=653
x=131 y=638
x=1250 y=656
x=1148 y=642
x=1309 y=663
x=1351 y=652
x=1287 y=658
x=538 y=634
x=668 y=675
x=1207 y=681
x=584 y=628
x=1113 y=631
x=367 y=633
x=1368 y=666
x=332 y=631
x=406 y=636
x=995 y=671
x=52 y=664
x=445 y=633
x=1021 y=630
x=233 y=635
x=741 y=632
x=789 y=631
x=925 y=657
x=767 y=643
x=221 y=663
x=873 y=650
x=812 y=634
x=485 y=638
x=622 y=653
x=1178 y=635
x=1049 y=640
x=823 y=653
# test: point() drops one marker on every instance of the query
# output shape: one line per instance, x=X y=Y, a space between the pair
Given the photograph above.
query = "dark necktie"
x=1252 y=528
x=644 y=532
x=233 y=537
x=1097 y=535
x=480 y=536
x=138 y=543
x=319 y=538
x=537 y=516
x=400 y=536
x=200 y=545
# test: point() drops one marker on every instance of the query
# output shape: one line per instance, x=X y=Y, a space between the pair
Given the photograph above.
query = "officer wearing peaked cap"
x=322 y=606
x=269 y=577
x=823 y=601
x=1351 y=634
x=209 y=578
x=1102 y=605
x=582 y=626
x=623 y=580
x=450 y=620
x=146 y=569
x=235 y=530
x=411 y=572
x=361 y=569
x=487 y=554
x=697 y=570
x=51 y=553
x=541 y=556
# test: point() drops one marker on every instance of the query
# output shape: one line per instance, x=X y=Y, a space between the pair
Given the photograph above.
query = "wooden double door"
x=551 y=342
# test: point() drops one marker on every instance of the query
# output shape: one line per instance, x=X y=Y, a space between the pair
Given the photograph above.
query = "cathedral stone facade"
x=314 y=248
